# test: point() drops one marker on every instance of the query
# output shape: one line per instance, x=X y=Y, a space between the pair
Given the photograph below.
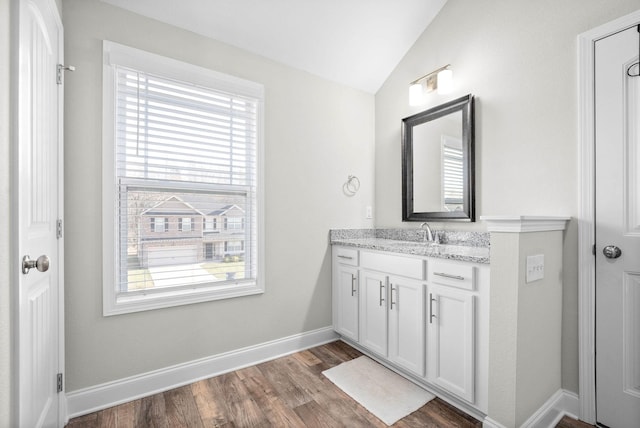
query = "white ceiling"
x=354 y=42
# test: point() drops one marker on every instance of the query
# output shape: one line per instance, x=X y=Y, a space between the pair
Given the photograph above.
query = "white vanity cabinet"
x=458 y=329
x=345 y=292
x=406 y=323
x=374 y=312
x=391 y=319
x=427 y=317
x=392 y=308
x=451 y=328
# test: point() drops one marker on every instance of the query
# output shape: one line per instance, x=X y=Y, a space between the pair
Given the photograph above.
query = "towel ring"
x=351 y=186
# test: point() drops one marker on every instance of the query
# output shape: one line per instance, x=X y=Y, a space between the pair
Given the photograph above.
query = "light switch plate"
x=535 y=268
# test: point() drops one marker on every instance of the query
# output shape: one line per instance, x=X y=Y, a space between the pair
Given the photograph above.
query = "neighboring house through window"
x=182 y=155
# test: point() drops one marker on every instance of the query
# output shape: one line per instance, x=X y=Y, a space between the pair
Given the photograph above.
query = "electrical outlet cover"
x=535 y=268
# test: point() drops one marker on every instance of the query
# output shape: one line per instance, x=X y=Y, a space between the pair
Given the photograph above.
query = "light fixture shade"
x=415 y=94
x=445 y=81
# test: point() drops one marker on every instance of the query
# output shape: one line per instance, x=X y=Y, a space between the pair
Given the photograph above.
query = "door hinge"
x=59 y=382
x=59 y=229
x=593 y=249
x=59 y=71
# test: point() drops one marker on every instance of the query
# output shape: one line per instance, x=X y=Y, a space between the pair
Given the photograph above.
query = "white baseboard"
x=92 y=399
x=562 y=403
x=490 y=423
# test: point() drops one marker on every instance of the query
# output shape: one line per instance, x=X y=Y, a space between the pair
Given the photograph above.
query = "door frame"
x=586 y=210
x=14 y=189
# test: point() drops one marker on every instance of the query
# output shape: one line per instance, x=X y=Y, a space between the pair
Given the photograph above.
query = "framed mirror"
x=438 y=180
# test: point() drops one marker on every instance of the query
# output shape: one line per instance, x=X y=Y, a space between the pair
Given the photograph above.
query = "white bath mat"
x=379 y=390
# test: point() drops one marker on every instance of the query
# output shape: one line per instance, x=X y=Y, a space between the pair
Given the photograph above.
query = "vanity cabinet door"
x=373 y=311
x=345 y=300
x=451 y=343
x=406 y=323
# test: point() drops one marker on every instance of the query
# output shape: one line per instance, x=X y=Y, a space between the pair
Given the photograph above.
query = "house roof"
x=172 y=206
x=190 y=204
x=225 y=209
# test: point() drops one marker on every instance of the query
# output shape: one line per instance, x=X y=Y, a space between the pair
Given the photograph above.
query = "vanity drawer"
x=346 y=256
x=392 y=264
x=459 y=275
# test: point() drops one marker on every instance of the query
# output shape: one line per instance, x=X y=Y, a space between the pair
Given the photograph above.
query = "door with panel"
x=345 y=293
x=373 y=311
x=450 y=343
x=39 y=178
x=406 y=323
x=617 y=229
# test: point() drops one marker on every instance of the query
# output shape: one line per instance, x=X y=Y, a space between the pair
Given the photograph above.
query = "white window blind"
x=175 y=131
x=185 y=159
x=453 y=174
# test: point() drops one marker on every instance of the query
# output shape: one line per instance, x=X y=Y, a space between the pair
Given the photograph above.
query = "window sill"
x=124 y=304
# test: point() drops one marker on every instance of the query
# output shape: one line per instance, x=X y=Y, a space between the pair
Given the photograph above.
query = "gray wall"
x=519 y=59
x=525 y=326
x=316 y=134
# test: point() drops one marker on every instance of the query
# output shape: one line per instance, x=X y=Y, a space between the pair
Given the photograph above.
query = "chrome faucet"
x=428 y=234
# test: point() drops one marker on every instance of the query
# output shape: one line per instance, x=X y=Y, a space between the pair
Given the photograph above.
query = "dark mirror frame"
x=466 y=106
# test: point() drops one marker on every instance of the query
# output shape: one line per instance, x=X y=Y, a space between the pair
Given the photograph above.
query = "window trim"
x=113 y=304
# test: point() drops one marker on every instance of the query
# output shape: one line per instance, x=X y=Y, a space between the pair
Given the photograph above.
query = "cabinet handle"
x=353 y=284
x=381 y=294
x=340 y=256
x=446 y=275
x=431 y=316
x=391 y=297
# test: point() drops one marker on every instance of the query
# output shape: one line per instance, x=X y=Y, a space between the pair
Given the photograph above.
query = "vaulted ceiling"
x=354 y=42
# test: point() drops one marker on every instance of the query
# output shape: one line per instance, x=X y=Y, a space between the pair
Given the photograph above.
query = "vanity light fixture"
x=440 y=80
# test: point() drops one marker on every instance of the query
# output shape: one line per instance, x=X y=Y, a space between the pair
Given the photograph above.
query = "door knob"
x=611 y=252
x=42 y=264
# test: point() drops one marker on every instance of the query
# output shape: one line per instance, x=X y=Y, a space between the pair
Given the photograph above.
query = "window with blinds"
x=185 y=163
x=452 y=174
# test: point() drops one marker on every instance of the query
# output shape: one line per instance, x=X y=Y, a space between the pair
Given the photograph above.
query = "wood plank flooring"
x=286 y=392
x=567 y=422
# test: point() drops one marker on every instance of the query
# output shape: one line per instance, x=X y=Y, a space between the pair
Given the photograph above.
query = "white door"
x=373 y=311
x=39 y=158
x=406 y=324
x=450 y=344
x=617 y=216
x=345 y=292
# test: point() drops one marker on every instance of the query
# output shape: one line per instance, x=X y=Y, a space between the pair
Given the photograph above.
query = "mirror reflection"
x=437 y=163
x=439 y=145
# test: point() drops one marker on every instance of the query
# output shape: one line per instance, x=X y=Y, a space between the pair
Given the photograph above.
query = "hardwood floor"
x=287 y=392
x=567 y=422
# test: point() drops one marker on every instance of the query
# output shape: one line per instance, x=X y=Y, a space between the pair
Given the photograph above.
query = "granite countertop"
x=476 y=252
